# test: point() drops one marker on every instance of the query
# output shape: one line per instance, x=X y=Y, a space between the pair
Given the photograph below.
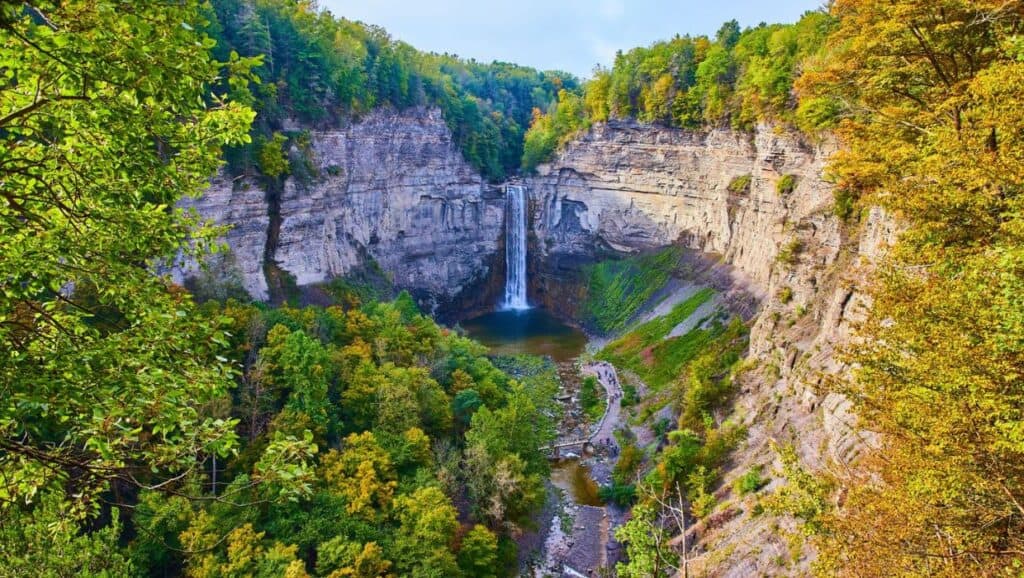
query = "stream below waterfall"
x=536 y=332
x=573 y=532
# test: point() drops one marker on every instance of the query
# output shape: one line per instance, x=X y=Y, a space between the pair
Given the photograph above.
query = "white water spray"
x=515 y=249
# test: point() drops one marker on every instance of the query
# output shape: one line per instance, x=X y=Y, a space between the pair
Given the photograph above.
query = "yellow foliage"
x=934 y=135
x=362 y=472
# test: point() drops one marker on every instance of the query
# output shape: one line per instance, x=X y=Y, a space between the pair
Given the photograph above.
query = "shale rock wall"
x=391 y=191
x=627 y=187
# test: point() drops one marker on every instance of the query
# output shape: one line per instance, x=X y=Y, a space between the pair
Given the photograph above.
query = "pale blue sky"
x=571 y=35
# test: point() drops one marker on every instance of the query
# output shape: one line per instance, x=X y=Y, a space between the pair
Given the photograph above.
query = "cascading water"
x=515 y=249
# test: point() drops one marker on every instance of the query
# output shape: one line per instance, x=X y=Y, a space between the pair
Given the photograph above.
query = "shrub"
x=708 y=382
x=790 y=252
x=750 y=482
x=619 y=494
x=843 y=203
x=589 y=399
x=628 y=464
x=785 y=185
x=785 y=295
x=661 y=428
x=740 y=184
x=630 y=397
x=702 y=502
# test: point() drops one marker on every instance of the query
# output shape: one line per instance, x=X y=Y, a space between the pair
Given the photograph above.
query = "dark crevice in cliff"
x=278 y=280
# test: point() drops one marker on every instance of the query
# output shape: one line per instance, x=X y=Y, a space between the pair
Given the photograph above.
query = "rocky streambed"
x=580 y=536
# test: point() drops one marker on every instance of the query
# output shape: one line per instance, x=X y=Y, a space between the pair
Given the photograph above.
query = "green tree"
x=284 y=470
x=273 y=161
x=646 y=546
x=299 y=366
x=504 y=493
x=478 y=554
x=107 y=119
x=45 y=541
x=427 y=524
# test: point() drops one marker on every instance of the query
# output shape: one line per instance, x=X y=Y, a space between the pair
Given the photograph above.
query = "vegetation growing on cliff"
x=687 y=466
x=933 y=132
x=658 y=359
x=320 y=70
x=738 y=79
x=618 y=288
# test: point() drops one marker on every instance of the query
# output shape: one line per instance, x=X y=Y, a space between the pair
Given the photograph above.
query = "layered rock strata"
x=391 y=192
x=241 y=205
x=627 y=187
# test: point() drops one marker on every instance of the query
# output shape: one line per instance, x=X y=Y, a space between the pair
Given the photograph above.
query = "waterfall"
x=515 y=248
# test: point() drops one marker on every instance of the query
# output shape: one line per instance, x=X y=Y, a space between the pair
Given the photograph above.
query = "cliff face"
x=627 y=187
x=392 y=190
x=242 y=205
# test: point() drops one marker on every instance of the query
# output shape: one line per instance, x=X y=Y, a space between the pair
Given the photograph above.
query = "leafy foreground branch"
x=143 y=435
x=106 y=119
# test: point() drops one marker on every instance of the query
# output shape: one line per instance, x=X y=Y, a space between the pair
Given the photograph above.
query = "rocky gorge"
x=393 y=192
x=760 y=205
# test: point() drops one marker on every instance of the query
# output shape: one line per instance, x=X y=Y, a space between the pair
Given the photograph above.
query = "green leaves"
x=738 y=79
x=104 y=125
x=284 y=471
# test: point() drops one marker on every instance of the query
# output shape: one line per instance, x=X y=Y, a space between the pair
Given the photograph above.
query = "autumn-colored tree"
x=461 y=381
x=352 y=560
x=246 y=554
x=933 y=132
x=427 y=525
x=362 y=386
x=362 y=472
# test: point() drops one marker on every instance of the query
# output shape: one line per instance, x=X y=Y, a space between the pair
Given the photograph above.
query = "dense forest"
x=738 y=78
x=314 y=69
x=357 y=426
x=142 y=433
